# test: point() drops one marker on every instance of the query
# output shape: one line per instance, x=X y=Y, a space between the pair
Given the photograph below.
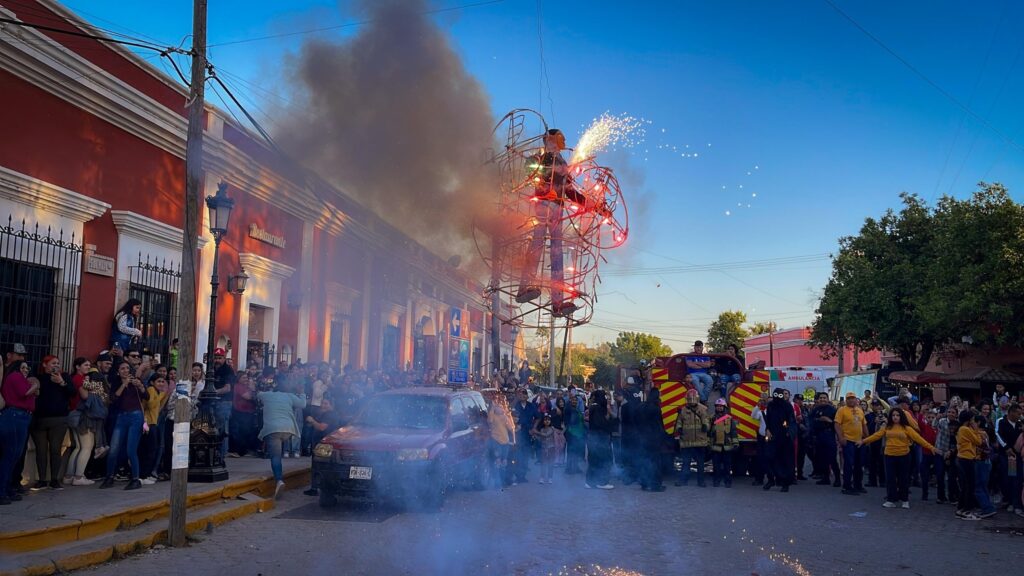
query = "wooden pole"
x=179 y=475
x=193 y=191
x=189 y=249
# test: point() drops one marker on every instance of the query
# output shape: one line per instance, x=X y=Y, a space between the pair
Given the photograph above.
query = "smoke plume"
x=391 y=117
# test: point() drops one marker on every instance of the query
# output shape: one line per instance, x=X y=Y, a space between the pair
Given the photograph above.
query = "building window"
x=38 y=290
x=156 y=286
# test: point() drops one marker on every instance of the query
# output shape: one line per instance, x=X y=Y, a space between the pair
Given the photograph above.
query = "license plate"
x=360 y=472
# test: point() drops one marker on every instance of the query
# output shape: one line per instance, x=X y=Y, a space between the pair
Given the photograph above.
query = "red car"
x=409 y=445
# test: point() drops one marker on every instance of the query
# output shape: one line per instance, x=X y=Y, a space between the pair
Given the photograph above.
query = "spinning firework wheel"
x=549 y=226
x=604 y=222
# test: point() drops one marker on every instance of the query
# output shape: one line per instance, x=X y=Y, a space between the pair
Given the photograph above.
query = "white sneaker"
x=148 y=480
x=888 y=504
x=970 y=516
x=83 y=481
x=606 y=486
x=585 y=485
x=905 y=505
x=279 y=489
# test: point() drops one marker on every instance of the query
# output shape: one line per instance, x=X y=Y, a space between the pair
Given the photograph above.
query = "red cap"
x=219 y=352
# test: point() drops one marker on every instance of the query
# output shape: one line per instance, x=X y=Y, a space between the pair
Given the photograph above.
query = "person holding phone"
x=50 y=422
x=129 y=394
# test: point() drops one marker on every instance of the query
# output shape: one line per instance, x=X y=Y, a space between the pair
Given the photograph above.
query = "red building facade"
x=92 y=206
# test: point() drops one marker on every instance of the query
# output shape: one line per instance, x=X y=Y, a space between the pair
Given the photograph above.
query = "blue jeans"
x=127 y=430
x=275 y=447
x=689 y=454
x=14 y=423
x=703 y=382
x=897 y=478
x=982 y=470
x=853 y=468
x=1012 y=484
x=222 y=412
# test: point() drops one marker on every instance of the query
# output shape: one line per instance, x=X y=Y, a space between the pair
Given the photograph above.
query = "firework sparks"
x=622 y=131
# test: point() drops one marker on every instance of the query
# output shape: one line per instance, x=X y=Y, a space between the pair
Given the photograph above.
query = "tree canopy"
x=727 y=329
x=763 y=328
x=630 y=348
x=919 y=279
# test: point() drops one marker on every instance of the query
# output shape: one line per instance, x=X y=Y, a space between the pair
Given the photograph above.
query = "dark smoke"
x=392 y=118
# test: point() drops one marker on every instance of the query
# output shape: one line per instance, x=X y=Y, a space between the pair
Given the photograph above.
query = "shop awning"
x=918 y=377
x=973 y=377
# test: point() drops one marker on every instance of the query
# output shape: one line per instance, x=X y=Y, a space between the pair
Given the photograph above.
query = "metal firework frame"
x=538 y=224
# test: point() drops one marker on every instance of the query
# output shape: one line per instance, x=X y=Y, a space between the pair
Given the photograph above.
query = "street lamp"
x=206 y=460
x=236 y=284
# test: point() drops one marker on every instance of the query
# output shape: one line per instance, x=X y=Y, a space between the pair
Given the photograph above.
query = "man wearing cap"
x=223 y=379
x=15 y=355
x=851 y=427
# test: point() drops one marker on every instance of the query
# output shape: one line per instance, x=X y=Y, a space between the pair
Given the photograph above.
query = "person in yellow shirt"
x=898 y=438
x=971 y=444
x=851 y=428
x=151 y=452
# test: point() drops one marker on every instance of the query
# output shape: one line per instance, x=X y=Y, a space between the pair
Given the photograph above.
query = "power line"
x=720 y=266
x=347 y=25
x=927 y=80
x=90 y=36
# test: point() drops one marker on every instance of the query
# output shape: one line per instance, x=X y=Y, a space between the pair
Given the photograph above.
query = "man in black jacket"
x=651 y=437
x=629 y=436
x=782 y=429
x=1008 y=429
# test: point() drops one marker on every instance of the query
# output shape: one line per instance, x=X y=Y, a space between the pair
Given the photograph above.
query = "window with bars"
x=156 y=284
x=39 y=274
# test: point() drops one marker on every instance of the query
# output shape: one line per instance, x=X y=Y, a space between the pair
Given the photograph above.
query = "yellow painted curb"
x=44 y=538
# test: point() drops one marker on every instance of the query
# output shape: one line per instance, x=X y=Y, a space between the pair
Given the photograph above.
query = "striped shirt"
x=942 y=438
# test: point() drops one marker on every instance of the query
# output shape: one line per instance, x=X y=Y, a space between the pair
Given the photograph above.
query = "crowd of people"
x=970 y=453
x=109 y=419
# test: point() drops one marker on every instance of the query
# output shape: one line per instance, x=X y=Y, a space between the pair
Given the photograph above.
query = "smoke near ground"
x=391 y=117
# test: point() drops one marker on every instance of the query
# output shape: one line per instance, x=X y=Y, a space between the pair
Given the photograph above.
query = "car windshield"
x=404 y=411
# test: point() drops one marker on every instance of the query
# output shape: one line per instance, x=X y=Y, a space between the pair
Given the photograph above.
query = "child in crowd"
x=545 y=433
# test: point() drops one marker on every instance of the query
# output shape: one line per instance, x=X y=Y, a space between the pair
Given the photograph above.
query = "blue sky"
x=830 y=126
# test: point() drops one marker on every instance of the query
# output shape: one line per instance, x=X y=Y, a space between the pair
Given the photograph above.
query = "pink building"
x=788 y=347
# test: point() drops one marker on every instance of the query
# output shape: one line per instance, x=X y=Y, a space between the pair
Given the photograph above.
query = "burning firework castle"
x=554 y=218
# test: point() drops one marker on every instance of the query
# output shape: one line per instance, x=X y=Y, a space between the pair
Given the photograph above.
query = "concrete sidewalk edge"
x=79 y=530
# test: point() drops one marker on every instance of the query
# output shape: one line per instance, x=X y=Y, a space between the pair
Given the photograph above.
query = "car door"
x=460 y=440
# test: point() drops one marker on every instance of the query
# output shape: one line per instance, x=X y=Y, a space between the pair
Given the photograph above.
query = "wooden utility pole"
x=187 y=293
x=179 y=474
x=193 y=190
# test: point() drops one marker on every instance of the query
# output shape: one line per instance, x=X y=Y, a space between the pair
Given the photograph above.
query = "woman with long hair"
x=125 y=331
x=82 y=433
x=558 y=423
x=899 y=436
x=129 y=395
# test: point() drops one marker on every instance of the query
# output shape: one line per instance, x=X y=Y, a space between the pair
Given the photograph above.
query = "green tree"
x=879 y=282
x=728 y=329
x=631 y=347
x=921 y=279
x=763 y=328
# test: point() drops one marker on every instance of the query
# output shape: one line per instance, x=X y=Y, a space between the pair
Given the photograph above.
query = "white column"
x=306 y=284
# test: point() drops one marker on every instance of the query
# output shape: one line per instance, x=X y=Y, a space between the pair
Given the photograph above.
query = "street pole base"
x=207 y=475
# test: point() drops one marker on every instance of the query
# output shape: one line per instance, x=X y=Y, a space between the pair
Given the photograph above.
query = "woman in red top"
x=19 y=396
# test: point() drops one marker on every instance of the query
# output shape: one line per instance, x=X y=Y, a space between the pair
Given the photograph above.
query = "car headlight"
x=323 y=451
x=413 y=454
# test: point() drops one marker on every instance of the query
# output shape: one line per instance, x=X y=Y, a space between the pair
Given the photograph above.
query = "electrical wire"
x=347 y=25
x=1009 y=140
x=43 y=27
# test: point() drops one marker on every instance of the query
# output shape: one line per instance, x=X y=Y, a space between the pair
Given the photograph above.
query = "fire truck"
x=668 y=376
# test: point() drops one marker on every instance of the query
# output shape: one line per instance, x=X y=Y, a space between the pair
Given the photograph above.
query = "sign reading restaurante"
x=263 y=236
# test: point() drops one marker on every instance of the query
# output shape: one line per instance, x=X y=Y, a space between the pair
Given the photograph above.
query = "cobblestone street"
x=536 y=529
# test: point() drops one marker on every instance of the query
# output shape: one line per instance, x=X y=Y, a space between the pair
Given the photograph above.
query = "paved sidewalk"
x=54 y=508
